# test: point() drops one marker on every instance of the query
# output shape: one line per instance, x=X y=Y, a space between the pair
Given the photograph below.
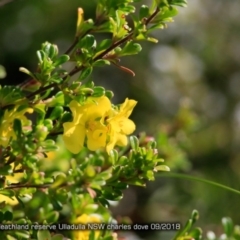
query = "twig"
x=100 y=56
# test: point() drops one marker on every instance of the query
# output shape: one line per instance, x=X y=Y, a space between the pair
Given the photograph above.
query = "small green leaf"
x=101 y=62
x=60 y=60
x=43 y=235
x=7 y=192
x=3 y=73
x=196 y=233
x=91 y=208
x=103 y=45
x=6 y=170
x=144 y=12
x=195 y=215
x=49 y=145
x=130 y=48
x=52 y=217
x=228 y=226
x=180 y=3
x=8 y=216
x=162 y=168
x=22 y=234
x=24 y=70
x=58 y=237
x=87 y=42
x=56 y=113
x=48 y=123
x=109 y=94
x=17 y=127
x=53 y=51
x=113 y=156
x=41 y=56
x=134 y=142
x=98 y=91
x=85 y=73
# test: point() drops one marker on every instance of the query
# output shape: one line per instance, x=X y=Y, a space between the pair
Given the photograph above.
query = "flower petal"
x=127 y=107
x=99 y=106
x=127 y=126
x=121 y=140
x=73 y=137
x=96 y=140
x=77 y=111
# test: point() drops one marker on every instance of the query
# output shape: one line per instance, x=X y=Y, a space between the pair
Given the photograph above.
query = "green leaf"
x=98 y=91
x=91 y=208
x=162 y=168
x=60 y=60
x=43 y=235
x=10 y=94
x=49 y=145
x=228 y=226
x=168 y=13
x=180 y=3
x=113 y=156
x=17 y=127
x=137 y=182
x=53 y=51
x=85 y=73
x=134 y=142
x=52 y=217
x=101 y=62
x=56 y=112
x=128 y=9
x=41 y=56
x=130 y=48
x=3 y=73
x=58 y=237
x=87 y=42
x=40 y=109
x=144 y=12
x=6 y=170
x=8 y=216
x=103 y=45
x=123 y=160
x=195 y=215
x=22 y=234
x=115 y=195
x=7 y=192
x=196 y=233
x=109 y=94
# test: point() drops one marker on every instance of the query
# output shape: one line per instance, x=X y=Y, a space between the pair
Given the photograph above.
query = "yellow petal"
x=97 y=138
x=127 y=126
x=78 y=112
x=99 y=106
x=121 y=140
x=127 y=107
x=111 y=143
x=73 y=137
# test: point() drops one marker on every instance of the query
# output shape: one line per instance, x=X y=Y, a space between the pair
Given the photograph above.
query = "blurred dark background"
x=194 y=67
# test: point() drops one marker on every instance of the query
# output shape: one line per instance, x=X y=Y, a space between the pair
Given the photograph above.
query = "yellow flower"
x=6 y=127
x=97 y=121
x=87 y=122
x=13 y=179
x=85 y=219
x=120 y=125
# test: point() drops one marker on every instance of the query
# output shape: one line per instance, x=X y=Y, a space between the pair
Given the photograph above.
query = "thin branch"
x=100 y=56
x=14 y=186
